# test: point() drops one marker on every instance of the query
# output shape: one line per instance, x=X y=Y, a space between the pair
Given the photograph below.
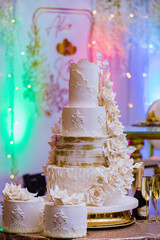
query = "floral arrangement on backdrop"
x=119 y=23
x=35 y=72
x=40 y=87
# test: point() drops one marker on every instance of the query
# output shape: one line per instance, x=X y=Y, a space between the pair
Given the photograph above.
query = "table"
x=137 y=134
x=144 y=132
x=138 y=230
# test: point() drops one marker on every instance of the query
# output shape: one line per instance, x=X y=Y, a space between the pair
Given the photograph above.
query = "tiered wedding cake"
x=90 y=160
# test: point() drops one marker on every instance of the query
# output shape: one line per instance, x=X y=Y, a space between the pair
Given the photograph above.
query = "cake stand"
x=117 y=215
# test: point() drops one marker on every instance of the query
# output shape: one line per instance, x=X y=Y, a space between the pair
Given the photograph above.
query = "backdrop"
x=39 y=40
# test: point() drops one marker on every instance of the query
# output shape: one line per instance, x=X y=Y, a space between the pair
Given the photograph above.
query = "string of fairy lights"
x=13 y=89
x=8 y=24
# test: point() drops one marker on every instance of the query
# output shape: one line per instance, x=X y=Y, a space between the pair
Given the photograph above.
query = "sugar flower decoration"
x=16 y=192
x=61 y=197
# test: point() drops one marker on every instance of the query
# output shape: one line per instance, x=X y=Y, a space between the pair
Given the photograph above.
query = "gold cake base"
x=115 y=215
x=109 y=220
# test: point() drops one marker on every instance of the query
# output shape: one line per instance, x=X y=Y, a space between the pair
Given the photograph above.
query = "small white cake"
x=23 y=216
x=64 y=221
x=21 y=212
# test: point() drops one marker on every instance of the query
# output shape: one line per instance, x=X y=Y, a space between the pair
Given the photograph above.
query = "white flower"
x=116 y=145
x=60 y=197
x=108 y=84
x=12 y=192
x=107 y=95
x=57 y=193
x=113 y=108
x=101 y=180
x=76 y=198
x=128 y=179
x=15 y=192
x=115 y=127
x=95 y=195
x=26 y=195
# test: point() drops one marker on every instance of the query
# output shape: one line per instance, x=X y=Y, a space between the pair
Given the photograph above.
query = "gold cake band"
x=82 y=165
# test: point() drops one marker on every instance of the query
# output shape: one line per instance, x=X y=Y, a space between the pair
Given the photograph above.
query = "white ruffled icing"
x=94 y=186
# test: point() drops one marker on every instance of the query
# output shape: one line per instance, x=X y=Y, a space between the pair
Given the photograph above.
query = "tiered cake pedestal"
x=112 y=216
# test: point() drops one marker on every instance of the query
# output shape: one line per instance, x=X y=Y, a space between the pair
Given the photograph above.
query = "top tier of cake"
x=84 y=117
x=83 y=84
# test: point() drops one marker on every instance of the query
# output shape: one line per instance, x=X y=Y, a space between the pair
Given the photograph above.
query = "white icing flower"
x=15 y=192
x=108 y=84
x=124 y=169
x=128 y=179
x=113 y=108
x=116 y=181
x=115 y=127
x=57 y=193
x=12 y=192
x=101 y=180
x=60 y=197
x=26 y=195
x=95 y=195
x=120 y=176
x=107 y=95
x=116 y=145
x=77 y=198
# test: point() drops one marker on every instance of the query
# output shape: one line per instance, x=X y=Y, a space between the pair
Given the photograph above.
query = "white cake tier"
x=23 y=216
x=63 y=221
x=84 y=121
x=83 y=84
x=88 y=181
x=79 y=151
